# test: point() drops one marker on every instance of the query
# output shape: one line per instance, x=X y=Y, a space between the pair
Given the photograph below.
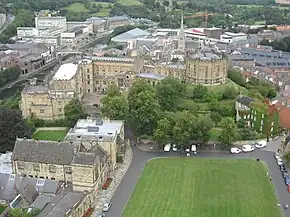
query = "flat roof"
x=66 y=71
x=152 y=76
x=104 y=126
x=75 y=29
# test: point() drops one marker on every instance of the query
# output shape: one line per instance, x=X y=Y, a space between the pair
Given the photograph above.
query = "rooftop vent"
x=93 y=129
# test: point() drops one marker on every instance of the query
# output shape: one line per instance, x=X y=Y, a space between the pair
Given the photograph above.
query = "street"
x=140 y=158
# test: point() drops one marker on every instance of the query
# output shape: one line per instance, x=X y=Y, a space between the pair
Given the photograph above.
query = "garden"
x=173 y=187
x=50 y=135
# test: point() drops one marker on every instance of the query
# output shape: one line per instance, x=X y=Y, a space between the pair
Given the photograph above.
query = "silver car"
x=106 y=206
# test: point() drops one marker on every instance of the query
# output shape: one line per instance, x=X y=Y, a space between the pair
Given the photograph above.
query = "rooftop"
x=205 y=56
x=59 y=205
x=75 y=29
x=5 y=163
x=152 y=76
x=118 y=18
x=66 y=71
x=95 y=129
x=48 y=152
x=131 y=34
x=113 y=59
x=35 y=89
x=12 y=185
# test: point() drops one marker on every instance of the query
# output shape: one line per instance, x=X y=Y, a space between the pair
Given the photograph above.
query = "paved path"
x=140 y=159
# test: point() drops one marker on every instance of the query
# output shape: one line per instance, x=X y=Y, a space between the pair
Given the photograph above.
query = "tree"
x=204 y=125
x=19 y=212
x=287 y=156
x=162 y=133
x=199 y=92
x=168 y=91
x=230 y=93
x=215 y=117
x=184 y=129
x=12 y=126
x=237 y=77
x=73 y=111
x=143 y=108
x=114 y=104
x=272 y=93
x=229 y=131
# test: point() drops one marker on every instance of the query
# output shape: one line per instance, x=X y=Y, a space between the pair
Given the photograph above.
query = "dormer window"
x=100 y=137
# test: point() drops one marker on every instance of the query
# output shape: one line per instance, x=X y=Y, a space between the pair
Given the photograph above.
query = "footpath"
x=106 y=195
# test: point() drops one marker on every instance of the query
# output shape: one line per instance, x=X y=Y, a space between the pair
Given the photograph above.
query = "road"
x=140 y=158
x=10 y=19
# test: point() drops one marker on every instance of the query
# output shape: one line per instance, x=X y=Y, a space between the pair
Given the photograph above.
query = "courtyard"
x=171 y=187
x=50 y=135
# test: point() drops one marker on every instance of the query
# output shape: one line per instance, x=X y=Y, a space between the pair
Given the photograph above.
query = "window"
x=97 y=82
x=20 y=165
x=89 y=90
x=36 y=167
x=68 y=170
x=88 y=82
x=41 y=110
x=88 y=70
x=52 y=168
x=104 y=82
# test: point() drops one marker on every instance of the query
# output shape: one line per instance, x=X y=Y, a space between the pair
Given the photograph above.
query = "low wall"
x=51 y=128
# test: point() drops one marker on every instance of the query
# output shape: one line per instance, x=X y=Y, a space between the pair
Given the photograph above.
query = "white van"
x=193 y=149
x=167 y=147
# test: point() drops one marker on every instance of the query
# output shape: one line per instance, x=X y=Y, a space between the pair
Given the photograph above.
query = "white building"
x=52 y=40
x=51 y=22
x=24 y=32
x=66 y=72
x=230 y=37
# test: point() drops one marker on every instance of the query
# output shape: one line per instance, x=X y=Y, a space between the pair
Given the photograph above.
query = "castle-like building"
x=204 y=65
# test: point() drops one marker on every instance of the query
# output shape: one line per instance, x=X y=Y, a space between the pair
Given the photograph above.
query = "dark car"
x=282 y=168
x=285 y=174
x=287 y=180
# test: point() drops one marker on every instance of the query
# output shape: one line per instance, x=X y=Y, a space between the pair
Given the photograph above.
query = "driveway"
x=126 y=187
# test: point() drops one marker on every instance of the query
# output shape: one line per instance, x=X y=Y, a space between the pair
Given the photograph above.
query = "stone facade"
x=95 y=76
x=85 y=167
x=206 y=70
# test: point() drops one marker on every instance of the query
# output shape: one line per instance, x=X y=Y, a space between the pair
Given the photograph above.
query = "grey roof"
x=12 y=185
x=41 y=201
x=113 y=59
x=205 y=56
x=43 y=151
x=89 y=157
x=152 y=76
x=245 y=100
x=35 y=89
x=131 y=34
x=118 y=18
x=61 y=204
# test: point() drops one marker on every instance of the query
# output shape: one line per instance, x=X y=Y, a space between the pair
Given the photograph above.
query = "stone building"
x=206 y=68
x=84 y=166
x=48 y=102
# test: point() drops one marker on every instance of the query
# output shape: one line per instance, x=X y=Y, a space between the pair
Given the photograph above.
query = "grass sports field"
x=174 y=187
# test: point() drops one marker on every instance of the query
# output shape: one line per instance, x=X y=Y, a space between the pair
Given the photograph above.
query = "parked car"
x=187 y=149
x=261 y=144
x=188 y=154
x=193 y=149
x=282 y=168
x=248 y=148
x=167 y=147
x=106 y=206
x=285 y=174
x=277 y=156
x=174 y=147
x=287 y=180
x=235 y=150
x=100 y=215
x=280 y=162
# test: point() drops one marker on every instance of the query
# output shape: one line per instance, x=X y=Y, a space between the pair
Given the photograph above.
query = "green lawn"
x=77 y=7
x=174 y=187
x=272 y=6
x=52 y=135
x=129 y=2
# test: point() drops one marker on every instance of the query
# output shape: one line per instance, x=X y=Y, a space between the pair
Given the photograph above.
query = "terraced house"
x=263 y=117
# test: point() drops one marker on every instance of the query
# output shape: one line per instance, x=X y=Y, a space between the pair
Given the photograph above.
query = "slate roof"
x=12 y=185
x=35 y=89
x=131 y=34
x=245 y=100
x=89 y=157
x=48 y=152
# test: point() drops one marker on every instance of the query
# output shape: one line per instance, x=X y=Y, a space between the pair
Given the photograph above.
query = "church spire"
x=181 y=36
x=181 y=22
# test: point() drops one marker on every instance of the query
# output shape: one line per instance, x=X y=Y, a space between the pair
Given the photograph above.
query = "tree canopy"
x=12 y=126
x=73 y=111
x=229 y=132
x=114 y=104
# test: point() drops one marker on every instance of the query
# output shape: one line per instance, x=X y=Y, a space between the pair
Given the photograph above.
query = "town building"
x=116 y=21
x=29 y=57
x=48 y=102
x=262 y=117
x=50 y=22
x=125 y=37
